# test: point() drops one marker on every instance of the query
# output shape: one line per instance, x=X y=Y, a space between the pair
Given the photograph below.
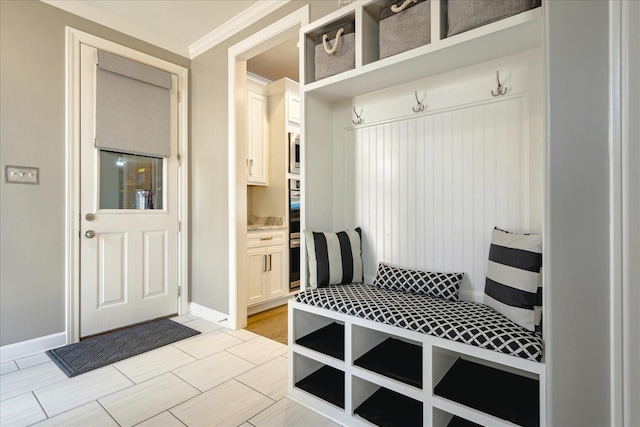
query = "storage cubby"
x=328 y=340
x=386 y=355
x=322 y=381
x=319 y=333
x=311 y=36
x=384 y=407
x=503 y=393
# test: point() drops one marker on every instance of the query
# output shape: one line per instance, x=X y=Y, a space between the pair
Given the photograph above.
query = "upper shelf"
x=511 y=35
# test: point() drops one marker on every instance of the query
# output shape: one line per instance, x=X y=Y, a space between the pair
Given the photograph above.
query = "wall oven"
x=294 y=152
x=294 y=234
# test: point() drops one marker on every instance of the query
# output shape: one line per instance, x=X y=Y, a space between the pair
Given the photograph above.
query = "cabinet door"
x=277 y=272
x=293 y=108
x=257 y=139
x=257 y=275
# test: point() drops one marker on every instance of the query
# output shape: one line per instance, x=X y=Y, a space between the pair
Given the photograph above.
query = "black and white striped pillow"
x=439 y=285
x=513 y=275
x=334 y=258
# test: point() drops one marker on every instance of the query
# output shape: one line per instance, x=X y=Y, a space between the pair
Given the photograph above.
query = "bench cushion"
x=462 y=321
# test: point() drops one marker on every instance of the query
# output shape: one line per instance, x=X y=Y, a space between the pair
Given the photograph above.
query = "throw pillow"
x=334 y=258
x=513 y=274
x=439 y=285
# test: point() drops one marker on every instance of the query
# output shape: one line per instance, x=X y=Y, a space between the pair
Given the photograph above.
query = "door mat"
x=93 y=353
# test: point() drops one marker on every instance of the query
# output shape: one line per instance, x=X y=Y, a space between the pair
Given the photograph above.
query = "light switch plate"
x=21 y=175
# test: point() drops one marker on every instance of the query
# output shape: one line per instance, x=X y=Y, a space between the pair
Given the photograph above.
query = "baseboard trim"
x=36 y=345
x=208 y=313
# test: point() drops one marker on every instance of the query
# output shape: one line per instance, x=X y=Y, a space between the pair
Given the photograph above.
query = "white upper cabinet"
x=257 y=139
x=293 y=108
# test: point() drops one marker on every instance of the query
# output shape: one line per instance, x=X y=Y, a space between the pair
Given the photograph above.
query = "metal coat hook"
x=500 y=90
x=420 y=107
x=359 y=120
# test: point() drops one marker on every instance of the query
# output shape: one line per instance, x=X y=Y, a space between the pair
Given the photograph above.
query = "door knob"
x=89 y=217
x=90 y=234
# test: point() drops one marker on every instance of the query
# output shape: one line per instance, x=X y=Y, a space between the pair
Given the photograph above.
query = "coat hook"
x=500 y=90
x=359 y=120
x=420 y=107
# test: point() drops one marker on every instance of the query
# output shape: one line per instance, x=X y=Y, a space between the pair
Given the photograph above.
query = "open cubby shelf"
x=328 y=340
x=327 y=383
x=386 y=408
x=503 y=394
x=395 y=359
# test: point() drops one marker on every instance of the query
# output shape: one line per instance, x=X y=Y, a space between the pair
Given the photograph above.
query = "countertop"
x=259 y=227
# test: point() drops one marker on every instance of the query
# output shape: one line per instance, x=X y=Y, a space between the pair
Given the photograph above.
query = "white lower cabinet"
x=363 y=373
x=267 y=267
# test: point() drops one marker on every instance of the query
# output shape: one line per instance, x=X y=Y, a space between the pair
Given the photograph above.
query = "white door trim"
x=72 y=179
x=257 y=43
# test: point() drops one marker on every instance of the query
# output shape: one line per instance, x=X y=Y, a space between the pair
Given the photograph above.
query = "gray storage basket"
x=343 y=58
x=465 y=15
x=405 y=29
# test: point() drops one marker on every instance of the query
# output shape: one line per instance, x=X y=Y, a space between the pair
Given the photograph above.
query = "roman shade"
x=133 y=103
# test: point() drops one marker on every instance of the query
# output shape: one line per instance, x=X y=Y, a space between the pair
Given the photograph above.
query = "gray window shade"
x=133 y=103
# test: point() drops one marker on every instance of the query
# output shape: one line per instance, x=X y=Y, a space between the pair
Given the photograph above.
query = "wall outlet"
x=21 y=175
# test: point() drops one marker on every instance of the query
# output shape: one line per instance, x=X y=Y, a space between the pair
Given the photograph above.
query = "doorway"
x=126 y=211
x=280 y=32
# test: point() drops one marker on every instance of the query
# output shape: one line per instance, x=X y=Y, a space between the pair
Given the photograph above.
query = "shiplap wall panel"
x=428 y=190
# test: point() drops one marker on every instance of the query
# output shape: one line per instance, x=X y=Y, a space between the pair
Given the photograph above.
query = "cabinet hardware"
x=269 y=262
x=266 y=238
x=264 y=264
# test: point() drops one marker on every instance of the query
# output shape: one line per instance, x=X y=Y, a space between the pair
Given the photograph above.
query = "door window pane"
x=128 y=181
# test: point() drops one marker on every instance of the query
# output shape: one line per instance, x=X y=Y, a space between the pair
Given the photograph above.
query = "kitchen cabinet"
x=257 y=139
x=268 y=267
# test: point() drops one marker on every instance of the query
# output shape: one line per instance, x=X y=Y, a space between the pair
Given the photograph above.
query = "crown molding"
x=117 y=23
x=250 y=16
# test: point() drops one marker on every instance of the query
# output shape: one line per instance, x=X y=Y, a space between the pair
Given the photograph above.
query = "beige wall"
x=32 y=133
x=209 y=158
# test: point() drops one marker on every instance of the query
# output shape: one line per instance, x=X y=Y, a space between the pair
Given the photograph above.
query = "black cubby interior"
x=395 y=359
x=505 y=395
x=327 y=340
x=386 y=408
x=461 y=422
x=327 y=383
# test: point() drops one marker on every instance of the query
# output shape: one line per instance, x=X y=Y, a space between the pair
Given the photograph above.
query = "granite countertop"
x=266 y=223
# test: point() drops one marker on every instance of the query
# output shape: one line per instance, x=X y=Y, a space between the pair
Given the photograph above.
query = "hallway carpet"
x=270 y=323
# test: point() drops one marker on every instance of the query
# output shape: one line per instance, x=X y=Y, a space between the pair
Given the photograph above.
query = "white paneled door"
x=128 y=224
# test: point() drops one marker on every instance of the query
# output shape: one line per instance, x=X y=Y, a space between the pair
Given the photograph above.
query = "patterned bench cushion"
x=462 y=321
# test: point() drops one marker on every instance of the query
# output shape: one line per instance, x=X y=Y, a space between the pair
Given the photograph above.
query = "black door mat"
x=94 y=353
x=386 y=408
x=328 y=340
x=395 y=359
x=327 y=383
x=502 y=394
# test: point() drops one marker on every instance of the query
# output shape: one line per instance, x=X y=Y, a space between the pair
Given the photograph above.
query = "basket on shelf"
x=335 y=50
x=465 y=15
x=404 y=25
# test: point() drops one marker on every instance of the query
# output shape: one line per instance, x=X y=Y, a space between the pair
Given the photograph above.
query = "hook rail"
x=420 y=107
x=500 y=90
x=359 y=120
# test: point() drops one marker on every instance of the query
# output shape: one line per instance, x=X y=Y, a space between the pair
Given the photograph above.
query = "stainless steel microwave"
x=294 y=153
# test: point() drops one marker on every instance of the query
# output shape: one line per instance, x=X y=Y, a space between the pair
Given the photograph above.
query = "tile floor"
x=218 y=378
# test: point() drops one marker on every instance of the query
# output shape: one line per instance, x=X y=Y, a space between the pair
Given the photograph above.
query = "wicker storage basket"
x=465 y=15
x=404 y=26
x=337 y=52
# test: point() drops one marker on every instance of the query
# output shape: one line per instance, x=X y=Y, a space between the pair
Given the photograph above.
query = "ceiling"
x=186 y=27
x=277 y=62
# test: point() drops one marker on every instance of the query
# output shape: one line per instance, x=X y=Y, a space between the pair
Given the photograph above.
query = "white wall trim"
x=80 y=8
x=207 y=313
x=72 y=178
x=615 y=206
x=32 y=346
x=250 y=16
x=253 y=45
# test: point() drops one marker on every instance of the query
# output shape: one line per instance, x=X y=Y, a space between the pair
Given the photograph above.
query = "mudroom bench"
x=363 y=355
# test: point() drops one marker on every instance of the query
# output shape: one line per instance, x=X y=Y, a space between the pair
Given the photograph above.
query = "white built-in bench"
x=363 y=355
